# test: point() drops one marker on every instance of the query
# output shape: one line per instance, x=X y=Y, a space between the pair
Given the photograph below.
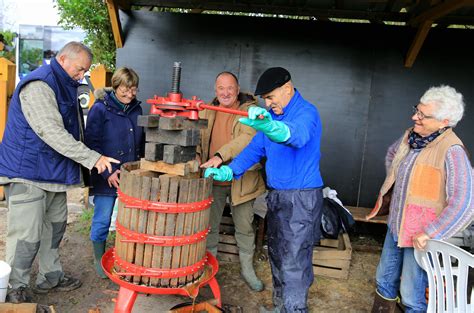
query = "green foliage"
x=93 y=18
x=8 y=38
x=85 y=221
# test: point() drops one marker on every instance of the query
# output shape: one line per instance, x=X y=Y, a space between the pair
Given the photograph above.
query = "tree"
x=93 y=18
x=7 y=49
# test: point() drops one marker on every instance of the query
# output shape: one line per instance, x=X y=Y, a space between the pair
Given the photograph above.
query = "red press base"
x=128 y=291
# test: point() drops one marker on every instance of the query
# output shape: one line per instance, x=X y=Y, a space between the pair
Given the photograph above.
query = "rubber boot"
x=248 y=272
x=99 y=250
x=384 y=305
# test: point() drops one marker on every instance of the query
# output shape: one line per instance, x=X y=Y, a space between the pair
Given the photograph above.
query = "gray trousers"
x=242 y=216
x=36 y=224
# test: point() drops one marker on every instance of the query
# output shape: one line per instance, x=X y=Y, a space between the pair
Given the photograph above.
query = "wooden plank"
x=199 y=249
x=331 y=243
x=179 y=231
x=333 y=263
x=3 y=106
x=135 y=191
x=417 y=42
x=229 y=239
x=359 y=214
x=440 y=10
x=181 y=123
x=227 y=257
x=226 y=248
x=112 y=8
x=330 y=272
x=154 y=151
x=188 y=253
x=142 y=223
x=148 y=121
x=149 y=256
x=173 y=198
x=182 y=169
x=185 y=138
x=160 y=227
x=330 y=254
x=173 y=154
x=119 y=247
x=143 y=172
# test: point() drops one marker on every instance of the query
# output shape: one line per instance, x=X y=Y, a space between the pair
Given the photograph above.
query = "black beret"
x=271 y=79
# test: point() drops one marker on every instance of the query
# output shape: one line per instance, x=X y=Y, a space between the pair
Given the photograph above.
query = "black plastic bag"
x=347 y=220
x=335 y=219
x=331 y=224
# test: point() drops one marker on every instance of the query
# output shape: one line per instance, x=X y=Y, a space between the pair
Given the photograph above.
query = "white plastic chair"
x=447 y=268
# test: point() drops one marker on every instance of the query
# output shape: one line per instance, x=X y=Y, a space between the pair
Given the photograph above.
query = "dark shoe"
x=384 y=305
x=68 y=283
x=18 y=295
x=99 y=250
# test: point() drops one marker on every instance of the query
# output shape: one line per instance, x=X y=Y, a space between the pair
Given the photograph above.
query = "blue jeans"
x=398 y=270
x=103 y=207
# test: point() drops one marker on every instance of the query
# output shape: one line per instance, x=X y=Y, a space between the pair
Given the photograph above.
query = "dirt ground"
x=326 y=295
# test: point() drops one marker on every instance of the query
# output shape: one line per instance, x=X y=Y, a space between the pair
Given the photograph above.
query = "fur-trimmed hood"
x=100 y=93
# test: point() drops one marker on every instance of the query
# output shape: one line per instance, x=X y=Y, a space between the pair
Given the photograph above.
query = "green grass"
x=85 y=220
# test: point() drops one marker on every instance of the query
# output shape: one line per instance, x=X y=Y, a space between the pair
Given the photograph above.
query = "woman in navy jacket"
x=112 y=130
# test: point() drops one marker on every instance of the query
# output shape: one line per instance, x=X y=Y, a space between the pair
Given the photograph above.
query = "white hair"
x=73 y=48
x=448 y=102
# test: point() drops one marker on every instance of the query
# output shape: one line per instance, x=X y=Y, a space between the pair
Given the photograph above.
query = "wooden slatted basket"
x=156 y=187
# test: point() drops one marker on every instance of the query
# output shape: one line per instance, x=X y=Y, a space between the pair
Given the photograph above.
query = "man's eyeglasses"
x=420 y=115
x=132 y=90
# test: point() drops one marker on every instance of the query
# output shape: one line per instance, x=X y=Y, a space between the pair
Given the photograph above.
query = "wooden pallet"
x=227 y=248
x=332 y=258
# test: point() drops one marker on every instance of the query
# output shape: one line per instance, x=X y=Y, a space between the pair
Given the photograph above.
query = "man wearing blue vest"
x=42 y=156
x=289 y=137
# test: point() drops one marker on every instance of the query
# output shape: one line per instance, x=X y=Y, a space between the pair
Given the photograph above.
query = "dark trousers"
x=291 y=218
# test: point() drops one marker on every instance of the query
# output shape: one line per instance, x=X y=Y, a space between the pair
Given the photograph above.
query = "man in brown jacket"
x=225 y=138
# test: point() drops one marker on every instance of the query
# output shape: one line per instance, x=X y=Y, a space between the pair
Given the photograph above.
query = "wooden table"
x=359 y=214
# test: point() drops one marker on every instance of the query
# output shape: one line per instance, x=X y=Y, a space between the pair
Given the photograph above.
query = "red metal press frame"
x=128 y=291
x=175 y=105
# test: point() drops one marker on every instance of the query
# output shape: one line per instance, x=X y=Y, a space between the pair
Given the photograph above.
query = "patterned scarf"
x=417 y=142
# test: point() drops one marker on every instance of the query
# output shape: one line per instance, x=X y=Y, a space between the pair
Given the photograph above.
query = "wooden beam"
x=123 y=4
x=415 y=47
x=112 y=7
x=439 y=11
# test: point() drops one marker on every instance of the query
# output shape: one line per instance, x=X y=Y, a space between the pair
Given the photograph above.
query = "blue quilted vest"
x=22 y=153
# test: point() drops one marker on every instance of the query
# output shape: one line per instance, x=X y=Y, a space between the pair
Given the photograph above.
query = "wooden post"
x=7 y=87
x=100 y=78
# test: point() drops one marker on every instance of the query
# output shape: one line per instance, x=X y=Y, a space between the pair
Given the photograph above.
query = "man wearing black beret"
x=289 y=137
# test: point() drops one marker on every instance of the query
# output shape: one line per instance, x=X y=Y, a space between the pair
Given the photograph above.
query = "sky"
x=32 y=12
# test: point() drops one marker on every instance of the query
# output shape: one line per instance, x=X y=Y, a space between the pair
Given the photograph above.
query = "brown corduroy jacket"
x=251 y=184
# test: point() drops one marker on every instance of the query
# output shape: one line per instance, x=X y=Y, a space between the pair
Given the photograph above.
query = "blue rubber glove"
x=223 y=173
x=275 y=130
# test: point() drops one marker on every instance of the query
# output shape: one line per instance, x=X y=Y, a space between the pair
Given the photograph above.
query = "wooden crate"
x=227 y=249
x=332 y=258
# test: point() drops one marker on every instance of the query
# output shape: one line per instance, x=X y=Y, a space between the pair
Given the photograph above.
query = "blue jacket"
x=293 y=164
x=22 y=153
x=114 y=133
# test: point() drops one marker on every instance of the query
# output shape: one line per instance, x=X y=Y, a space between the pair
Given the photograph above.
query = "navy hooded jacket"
x=113 y=132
